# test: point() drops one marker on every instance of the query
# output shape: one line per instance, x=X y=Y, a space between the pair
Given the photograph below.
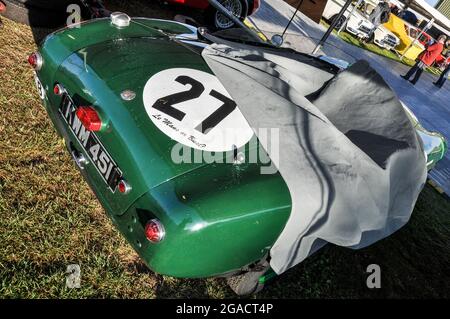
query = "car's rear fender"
x=217 y=219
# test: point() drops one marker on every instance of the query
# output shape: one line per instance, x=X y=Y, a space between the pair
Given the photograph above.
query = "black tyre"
x=245 y=284
x=218 y=21
x=248 y=283
x=30 y=13
x=339 y=23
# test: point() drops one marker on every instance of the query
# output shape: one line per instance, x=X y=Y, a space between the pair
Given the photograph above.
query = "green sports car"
x=147 y=122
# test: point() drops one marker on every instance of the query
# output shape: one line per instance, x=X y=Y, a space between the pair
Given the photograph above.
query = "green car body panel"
x=217 y=217
x=434 y=143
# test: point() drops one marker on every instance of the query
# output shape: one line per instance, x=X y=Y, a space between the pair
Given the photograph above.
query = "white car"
x=359 y=25
x=385 y=38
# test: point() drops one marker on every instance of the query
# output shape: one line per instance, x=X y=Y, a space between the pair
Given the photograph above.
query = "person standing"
x=427 y=58
x=440 y=82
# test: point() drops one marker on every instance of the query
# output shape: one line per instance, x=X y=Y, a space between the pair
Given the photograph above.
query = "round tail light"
x=123 y=187
x=89 y=118
x=58 y=89
x=154 y=231
x=35 y=60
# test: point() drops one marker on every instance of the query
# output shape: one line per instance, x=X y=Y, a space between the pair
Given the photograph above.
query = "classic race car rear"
x=163 y=128
x=184 y=219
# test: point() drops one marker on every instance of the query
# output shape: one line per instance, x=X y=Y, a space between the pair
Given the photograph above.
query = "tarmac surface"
x=430 y=104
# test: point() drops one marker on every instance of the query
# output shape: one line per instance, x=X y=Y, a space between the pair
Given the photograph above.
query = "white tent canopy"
x=441 y=21
x=433 y=12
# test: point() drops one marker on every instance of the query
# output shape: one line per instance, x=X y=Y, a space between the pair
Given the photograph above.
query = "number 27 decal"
x=166 y=104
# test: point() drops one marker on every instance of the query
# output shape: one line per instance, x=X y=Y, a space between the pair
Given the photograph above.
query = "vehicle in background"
x=120 y=125
x=359 y=25
x=385 y=39
x=49 y=13
x=382 y=37
x=426 y=39
x=406 y=33
x=52 y=14
x=240 y=8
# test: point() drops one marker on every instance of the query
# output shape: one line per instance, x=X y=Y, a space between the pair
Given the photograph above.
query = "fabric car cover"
x=349 y=155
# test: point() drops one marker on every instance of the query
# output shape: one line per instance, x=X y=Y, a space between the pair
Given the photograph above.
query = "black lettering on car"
x=91 y=145
x=94 y=152
x=76 y=124
x=83 y=136
x=102 y=163
x=165 y=104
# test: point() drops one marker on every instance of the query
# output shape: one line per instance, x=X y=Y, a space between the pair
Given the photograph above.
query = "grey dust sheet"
x=349 y=155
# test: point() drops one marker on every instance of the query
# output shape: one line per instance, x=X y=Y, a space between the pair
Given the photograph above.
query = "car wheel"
x=245 y=284
x=339 y=23
x=219 y=21
x=248 y=283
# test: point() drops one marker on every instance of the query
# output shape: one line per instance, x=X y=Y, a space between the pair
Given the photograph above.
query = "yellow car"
x=406 y=33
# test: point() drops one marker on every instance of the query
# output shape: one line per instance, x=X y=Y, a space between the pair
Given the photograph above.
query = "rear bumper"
x=211 y=226
x=113 y=202
x=205 y=235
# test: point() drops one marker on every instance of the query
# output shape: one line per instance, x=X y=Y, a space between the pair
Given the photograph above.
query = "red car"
x=425 y=38
x=240 y=8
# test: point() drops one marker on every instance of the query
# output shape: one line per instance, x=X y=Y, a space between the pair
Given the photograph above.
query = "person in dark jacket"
x=427 y=58
x=440 y=82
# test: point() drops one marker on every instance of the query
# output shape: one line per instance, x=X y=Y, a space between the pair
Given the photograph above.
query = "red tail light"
x=256 y=5
x=35 y=60
x=58 y=89
x=89 y=118
x=123 y=187
x=154 y=231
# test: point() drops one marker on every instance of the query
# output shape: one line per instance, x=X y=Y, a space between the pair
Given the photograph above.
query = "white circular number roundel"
x=193 y=108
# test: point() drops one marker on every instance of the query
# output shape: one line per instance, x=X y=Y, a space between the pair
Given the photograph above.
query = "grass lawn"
x=350 y=38
x=49 y=219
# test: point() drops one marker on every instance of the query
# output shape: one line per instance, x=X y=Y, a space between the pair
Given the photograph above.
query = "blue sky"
x=432 y=2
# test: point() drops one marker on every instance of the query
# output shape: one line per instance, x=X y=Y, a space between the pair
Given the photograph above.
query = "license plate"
x=39 y=87
x=91 y=145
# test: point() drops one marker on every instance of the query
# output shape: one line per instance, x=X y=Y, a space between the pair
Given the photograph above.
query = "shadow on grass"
x=414 y=264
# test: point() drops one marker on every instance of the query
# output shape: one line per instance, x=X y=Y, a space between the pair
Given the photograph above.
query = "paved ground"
x=431 y=105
